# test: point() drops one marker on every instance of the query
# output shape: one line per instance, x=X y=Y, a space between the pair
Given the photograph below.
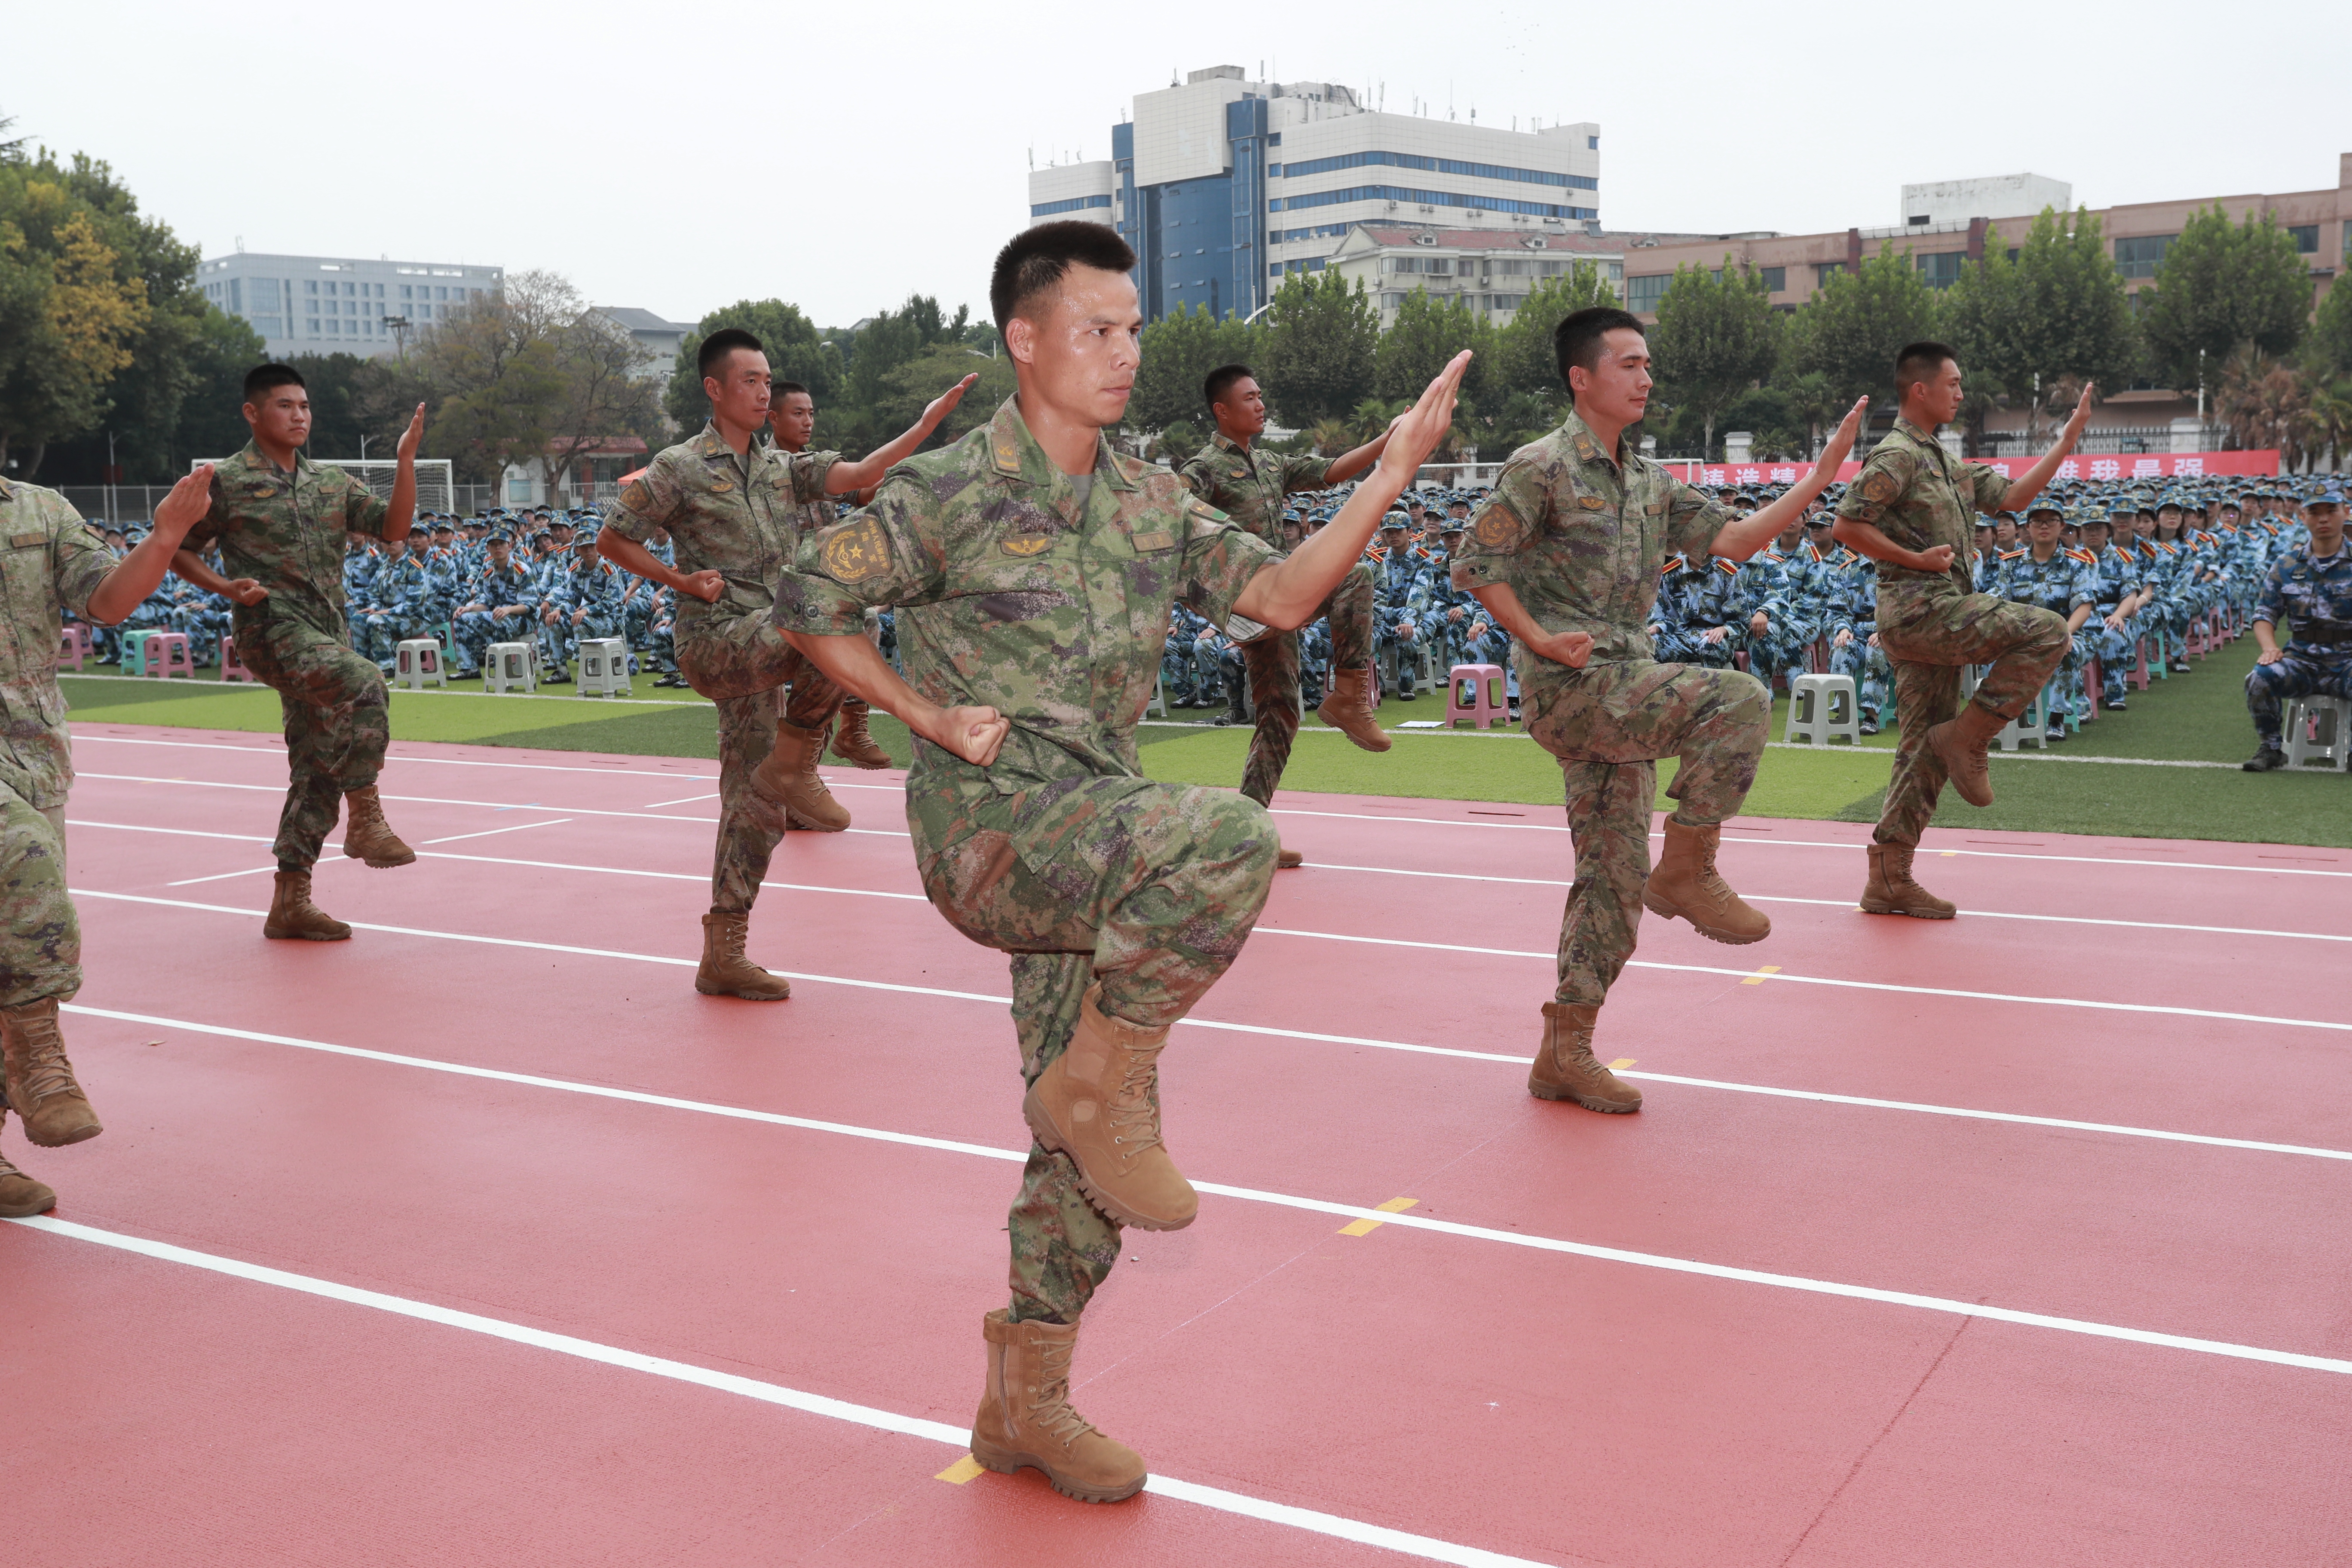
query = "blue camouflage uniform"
x=2315 y=597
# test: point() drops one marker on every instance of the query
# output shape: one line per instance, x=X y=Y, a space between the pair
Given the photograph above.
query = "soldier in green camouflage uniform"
x=1248 y=485
x=1913 y=509
x=51 y=562
x=282 y=530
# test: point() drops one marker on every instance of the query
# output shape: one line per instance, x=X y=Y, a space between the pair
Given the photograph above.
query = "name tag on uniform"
x=26 y=541
x=1155 y=541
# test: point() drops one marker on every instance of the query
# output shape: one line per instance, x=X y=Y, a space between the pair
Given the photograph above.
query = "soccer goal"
x=437 y=489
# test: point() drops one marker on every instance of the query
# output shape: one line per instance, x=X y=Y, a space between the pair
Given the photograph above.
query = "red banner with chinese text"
x=2099 y=468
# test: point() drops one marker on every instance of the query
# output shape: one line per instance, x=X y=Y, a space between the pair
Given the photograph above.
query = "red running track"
x=1460 y=1373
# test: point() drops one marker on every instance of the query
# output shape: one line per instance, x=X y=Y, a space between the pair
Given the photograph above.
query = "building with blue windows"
x=326 y=304
x=1223 y=185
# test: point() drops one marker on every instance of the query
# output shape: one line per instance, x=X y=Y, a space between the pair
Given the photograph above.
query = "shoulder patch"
x=1674 y=564
x=1725 y=564
x=2011 y=554
x=1881 y=487
x=857 y=552
x=1497 y=527
x=636 y=495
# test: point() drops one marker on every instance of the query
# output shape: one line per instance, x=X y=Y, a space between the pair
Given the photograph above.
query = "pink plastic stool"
x=232 y=667
x=75 y=647
x=164 y=655
x=1475 y=691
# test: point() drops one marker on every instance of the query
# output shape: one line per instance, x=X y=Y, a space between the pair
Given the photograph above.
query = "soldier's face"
x=1616 y=390
x=793 y=419
x=1242 y=411
x=738 y=393
x=2326 y=521
x=2043 y=530
x=1936 y=399
x=1079 y=355
x=500 y=551
x=282 y=417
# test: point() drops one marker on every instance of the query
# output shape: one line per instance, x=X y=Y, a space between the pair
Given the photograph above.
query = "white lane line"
x=683 y=800
x=616 y=771
x=1751 y=974
x=1217 y=1498
x=1353 y=1211
x=222 y=876
x=494 y=832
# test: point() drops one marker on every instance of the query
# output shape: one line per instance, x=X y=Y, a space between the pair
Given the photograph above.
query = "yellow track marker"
x=1621 y=1064
x=1366 y=1227
x=1758 y=978
x=1948 y=853
x=962 y=1471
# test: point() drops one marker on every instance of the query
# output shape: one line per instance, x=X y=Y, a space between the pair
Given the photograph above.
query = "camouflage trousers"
x=1608 y=724
x=1928 y=638
x=1273 y=665
x=338 y=721
x=40 y=937
x=741 y=663
x=2268 y=686
x=1149 y=888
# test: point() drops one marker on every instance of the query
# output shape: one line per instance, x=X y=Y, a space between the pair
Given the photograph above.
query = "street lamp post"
x=398 y=327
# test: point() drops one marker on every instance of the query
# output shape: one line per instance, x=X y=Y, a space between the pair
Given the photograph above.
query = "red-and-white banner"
x=2121 y=468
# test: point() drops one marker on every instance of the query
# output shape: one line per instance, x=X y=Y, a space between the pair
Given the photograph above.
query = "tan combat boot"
x=1025 y=1417
x=724 y=971
x=41 y=1087
x=21 y=1198
x=1284 y=859
x=1566 y=1068
x=1962 y=744
x=1891 y=890
x=1349 y=706
x=853 y=743
x=1686 y=884
x=293 y=915
x=367 y=836
x=1098 y=1102
x=789 y=778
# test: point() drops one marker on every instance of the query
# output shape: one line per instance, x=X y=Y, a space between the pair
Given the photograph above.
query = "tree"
x=1852 y=330
x=2220 y=285
x=1525 y=362
x=1179 y=350
x=2331 y=331
x=2059 y=312
x=2264 y=403
x=73 y=302
x=1716 y=337
x=208 y=423
x=912 y=383
x=1315 y=350
x=796 y=351
x=1429 y=331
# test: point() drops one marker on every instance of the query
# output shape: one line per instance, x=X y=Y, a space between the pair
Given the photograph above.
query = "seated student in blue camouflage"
x=2310 y=586
x=2118 y=587
x=2044 y=573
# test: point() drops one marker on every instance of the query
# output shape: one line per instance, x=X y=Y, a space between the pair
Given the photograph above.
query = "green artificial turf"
x=2195 y=718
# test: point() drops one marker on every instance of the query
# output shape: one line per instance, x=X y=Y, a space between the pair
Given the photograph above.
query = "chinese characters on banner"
x=2121 y=468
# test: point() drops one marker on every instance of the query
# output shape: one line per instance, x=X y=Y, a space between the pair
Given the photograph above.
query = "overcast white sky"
x=679 y=158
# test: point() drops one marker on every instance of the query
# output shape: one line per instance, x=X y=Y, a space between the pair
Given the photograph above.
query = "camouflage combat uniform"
x=1581 y=537
x=1247 y=485
x=740 y=516
x=1015 y=593
x=50 y=562
x=1930 y=624
x=286 y=530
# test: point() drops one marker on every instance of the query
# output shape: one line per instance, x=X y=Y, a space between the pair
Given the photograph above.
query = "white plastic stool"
x=417 y=660
x=603 y=668
x=1814 y=703
x=508 y=665
x=1159 y=698
x=1475 y=691
x=2030 y=728
x=2302 y=721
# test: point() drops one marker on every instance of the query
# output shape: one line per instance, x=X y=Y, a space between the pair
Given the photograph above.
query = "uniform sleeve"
x=213 y=523
x=889 y=552
x=364 y=510
x=1693 y=520
x=809 y=469
x=1199 y=478
x=78 y=558
x=1874 y=491
x=1306 y=471
x=647 y=503
x=1510 y=519
x=1220 y=560
x=2271 y=606
x=2084 y=591
x=1991 y=486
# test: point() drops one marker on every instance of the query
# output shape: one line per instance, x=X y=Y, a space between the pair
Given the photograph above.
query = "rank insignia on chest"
x=26 y=541
x=1157 y=540
x=1024 y=544
x=1591 y=503
x=858 y=552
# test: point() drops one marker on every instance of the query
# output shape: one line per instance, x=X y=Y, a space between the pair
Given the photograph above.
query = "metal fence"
x=117 y=504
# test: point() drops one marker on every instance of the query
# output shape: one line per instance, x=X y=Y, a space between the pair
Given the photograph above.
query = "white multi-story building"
x=1491 y=270
x=325 y=304
x=1224 y=185
x=1957 y=201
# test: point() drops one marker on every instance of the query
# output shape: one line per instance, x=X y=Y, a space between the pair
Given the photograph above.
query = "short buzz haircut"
x=1576 y=340
x=720 y=344
x=262 y=377
x=1036 y=260
x=780 y=390
x=1220 y=381
x=1918 y=362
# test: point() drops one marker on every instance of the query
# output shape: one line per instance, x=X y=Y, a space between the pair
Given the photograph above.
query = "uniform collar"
x=1224 y=442
x=1904 y=424
x=253 y=458
x=1587 y=447
x=1014 y=454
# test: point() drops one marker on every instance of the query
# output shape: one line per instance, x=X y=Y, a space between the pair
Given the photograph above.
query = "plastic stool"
x=2137 y=676
x=2030 y=728
x=1814 y=704
x=508 y=665
x=603 y=667
x=233 y=666
x=75 y=647
x=417 y=660
x=165 y=654
x=1475 y=691
x=2301 y=732
x=1159 y=698
x=133 y=643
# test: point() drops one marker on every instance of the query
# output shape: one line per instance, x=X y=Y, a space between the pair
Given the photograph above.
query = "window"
x=1273 y=171
x=439 y=293
x=311 y=306
x=404 y=292
x=1776 y=278
x=1941 y=268
x=1428 y=198
x=2305 y=237
x=1825 y=270
x=1075 y=204
x=1441 y=166
x=1642 y=294
x=1392 y=301
x=1593 y=143
x=334 y=328
x=2139 y=258
x=519 y=489
x=309 y=285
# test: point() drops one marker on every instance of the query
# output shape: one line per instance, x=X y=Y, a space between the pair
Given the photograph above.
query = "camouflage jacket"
x=2315 y=596
x=50 y=562
x=285 y=530
x=1580 y=538
x=1920 y=496
x=739 y=517
x=1247 y=485
x=1013 y=594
